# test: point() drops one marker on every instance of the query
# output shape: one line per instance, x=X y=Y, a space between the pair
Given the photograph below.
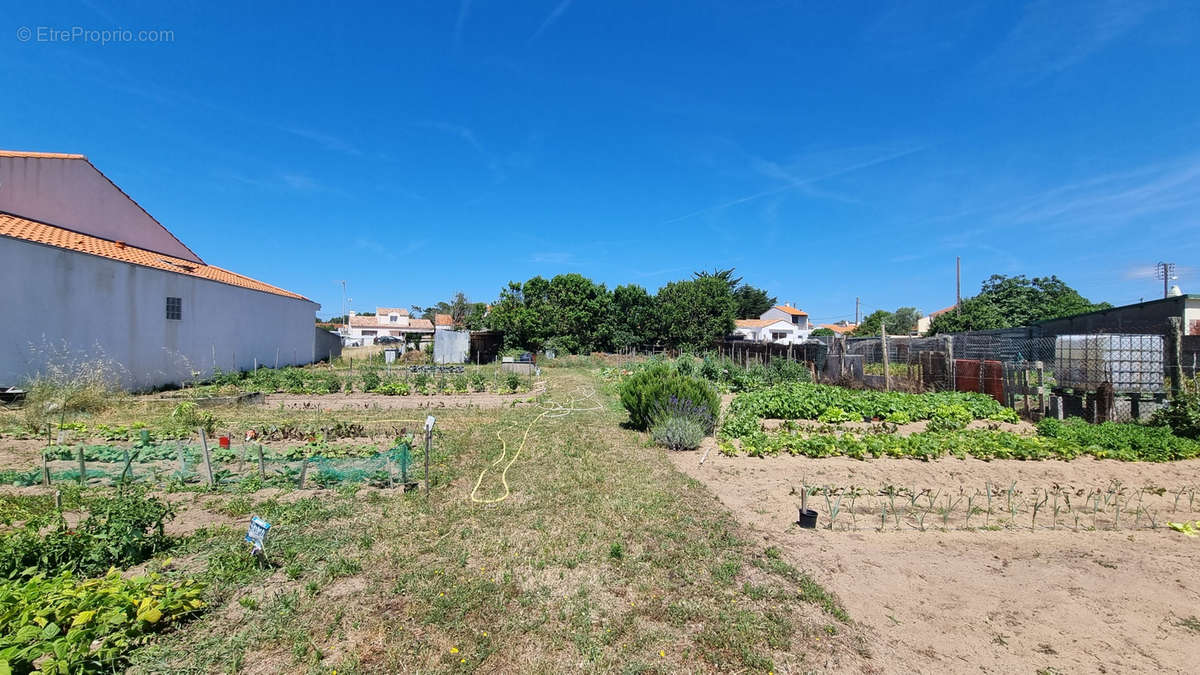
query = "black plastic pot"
x=808 y=519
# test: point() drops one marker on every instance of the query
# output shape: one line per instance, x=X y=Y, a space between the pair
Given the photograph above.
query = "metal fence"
x=1099 y=375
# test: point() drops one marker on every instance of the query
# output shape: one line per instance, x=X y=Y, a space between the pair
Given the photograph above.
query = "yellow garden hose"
x=557 y=410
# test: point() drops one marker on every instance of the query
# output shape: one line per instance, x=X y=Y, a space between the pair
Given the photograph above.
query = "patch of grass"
x=1191 y=623
x=603 y=555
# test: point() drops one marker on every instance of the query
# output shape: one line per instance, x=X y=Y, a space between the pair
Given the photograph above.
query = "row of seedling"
x=1001 y=506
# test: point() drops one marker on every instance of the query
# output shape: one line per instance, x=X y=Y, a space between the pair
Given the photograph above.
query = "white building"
x=389 y=321
x=88 y=275
x=782 y=324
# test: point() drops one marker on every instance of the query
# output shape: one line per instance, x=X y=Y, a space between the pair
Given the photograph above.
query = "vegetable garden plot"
x=995 y=506
x=312 y=465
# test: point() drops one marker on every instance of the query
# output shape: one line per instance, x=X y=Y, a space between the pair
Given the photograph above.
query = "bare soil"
x=1008 y=598
x=365 y=401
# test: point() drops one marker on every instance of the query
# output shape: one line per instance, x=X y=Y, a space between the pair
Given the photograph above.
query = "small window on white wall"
x=174 y=308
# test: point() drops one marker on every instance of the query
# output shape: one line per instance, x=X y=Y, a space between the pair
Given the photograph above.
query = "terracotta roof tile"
x=759 y=323
x=942 y=311
x=384 y=311
x=839 y=329
x=443 y=320
x=49 y=235
x=39 y=155
x=790 y=310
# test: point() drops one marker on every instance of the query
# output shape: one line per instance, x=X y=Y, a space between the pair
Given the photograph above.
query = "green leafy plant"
x=835 y=414
x=63 y=624
x=949 y=418
x=1182 y=415
x=120 y=530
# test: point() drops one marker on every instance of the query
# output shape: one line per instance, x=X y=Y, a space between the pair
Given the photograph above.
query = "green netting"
x=182 y=463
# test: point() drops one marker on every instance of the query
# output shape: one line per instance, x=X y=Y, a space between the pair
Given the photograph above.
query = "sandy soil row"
x=1006 y=600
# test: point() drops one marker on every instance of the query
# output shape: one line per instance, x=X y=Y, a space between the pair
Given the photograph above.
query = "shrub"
x=677 y=407
x=513 y=382
x=949 y=418
x=678 y=432
x=478 y=381
x=370 y=380
x=649 y=391
x=1182 y=415
x=187 y=417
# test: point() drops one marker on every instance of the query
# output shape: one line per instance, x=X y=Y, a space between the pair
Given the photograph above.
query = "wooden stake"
x=303 y=473
x=45 y=470
x=887 y=376
x=428 y=450
x=82 y=467
x=262 y=469
x=207 y=458
x=1041 y=389
x=128 y=468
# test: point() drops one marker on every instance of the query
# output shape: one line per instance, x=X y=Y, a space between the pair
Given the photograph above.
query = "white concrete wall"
x=71 y=193
x=1191 y=314
x=54 y=297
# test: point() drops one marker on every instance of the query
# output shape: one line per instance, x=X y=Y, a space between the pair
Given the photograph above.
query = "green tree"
x=1004 y=302
x=694 y=314
x=519 y=312
x=723 y=275
x=577 y=314
x=900 y=322
x=633 y=317
x=751 y=302
x=821 y=331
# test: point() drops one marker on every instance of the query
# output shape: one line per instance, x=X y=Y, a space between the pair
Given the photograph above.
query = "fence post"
x=887 y=378
x=1025 y=390
x=82 y=468
x=1175 y=342
x=208 y=472
x=262 y=469
x=1041 y=390
x=951 y=381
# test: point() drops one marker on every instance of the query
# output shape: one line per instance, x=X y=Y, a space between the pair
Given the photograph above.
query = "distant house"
x=782 y=324
x=797 y=317
x=443 y=321
x=925 y=322
x=391 y=321
x=842 y=327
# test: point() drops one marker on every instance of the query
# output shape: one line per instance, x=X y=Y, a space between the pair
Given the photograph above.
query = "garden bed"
x=1009 y=597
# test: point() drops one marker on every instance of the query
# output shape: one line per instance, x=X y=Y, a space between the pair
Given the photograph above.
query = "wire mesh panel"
x=1130 y=363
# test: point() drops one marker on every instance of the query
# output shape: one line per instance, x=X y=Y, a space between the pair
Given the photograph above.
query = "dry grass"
x=604 y=558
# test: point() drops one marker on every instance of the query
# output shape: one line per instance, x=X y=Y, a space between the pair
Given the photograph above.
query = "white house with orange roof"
x=90 y=277
x=782 y=324
x=924 y=323
x=388 y=321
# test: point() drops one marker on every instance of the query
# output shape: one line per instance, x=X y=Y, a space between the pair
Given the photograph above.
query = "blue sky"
x=826 y=150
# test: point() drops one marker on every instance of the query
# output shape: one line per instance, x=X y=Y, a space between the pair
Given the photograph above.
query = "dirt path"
x=1010 y=599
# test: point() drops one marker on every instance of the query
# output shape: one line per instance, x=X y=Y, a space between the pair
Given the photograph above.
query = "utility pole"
x=343 y=283
x=1166 y=272
x=856 y=303
x=957 y=283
